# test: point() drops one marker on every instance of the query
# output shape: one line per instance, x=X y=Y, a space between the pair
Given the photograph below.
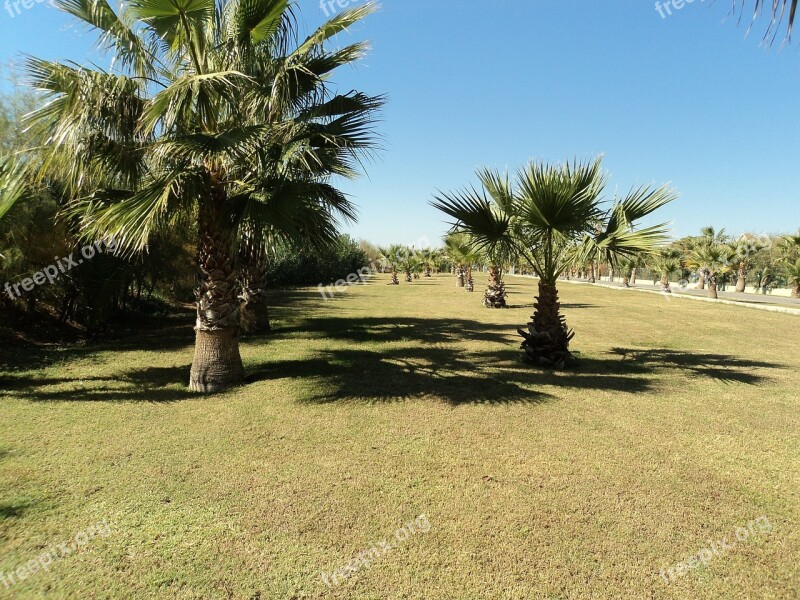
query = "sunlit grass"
x=680 y=423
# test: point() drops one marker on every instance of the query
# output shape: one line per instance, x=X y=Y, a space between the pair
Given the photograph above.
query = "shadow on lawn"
x=358 y=372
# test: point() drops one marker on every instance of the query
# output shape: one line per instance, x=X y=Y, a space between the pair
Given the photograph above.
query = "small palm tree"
x=393 y=257
x=458 y=249
x=217 y=112
x=743 y=251
x=790 y=248
x=665 y=264
x=711 y=261
x=553 y=208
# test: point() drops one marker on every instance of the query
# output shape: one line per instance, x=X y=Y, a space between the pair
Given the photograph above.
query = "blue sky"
x=688 y=99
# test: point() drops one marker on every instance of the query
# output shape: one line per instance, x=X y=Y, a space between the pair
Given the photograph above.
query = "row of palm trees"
x=716 y=257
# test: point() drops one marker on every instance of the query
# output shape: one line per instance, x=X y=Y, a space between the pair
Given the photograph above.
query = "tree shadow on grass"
x=392 y=375
x=150 y=384
x=403 y=329
x=411 y=362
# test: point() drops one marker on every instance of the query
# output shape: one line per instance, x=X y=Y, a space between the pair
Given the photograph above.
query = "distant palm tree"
x=393 y=257
x=553 y=208
x=459 y=250
x=711 y=261
x=665 y=264
x=743 y=252
x=217 y=112
x=791 y=262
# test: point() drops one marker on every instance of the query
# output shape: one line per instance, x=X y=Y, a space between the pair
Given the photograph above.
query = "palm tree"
x=427 y=256
x=708 y=237
x=553 y=208
x=790 y=247
x=743 y=251
x=216 y=112
x=458 y=249
x=393 y=256
x=711 y=261
x=665 y=264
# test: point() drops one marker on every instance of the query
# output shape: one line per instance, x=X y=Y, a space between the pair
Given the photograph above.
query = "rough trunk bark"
x=395 y=280
x=796 y=291
x=633 y=276
x=470 y=284
x=408 y=276
x=711 y=281
x=495 y=294
x=255 y=310
x=741 y=283
x=701 y=283
x=460 y=276
x=217 y=363
x=546 y=342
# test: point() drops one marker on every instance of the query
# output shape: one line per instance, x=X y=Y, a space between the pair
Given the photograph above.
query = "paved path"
x=744 y=297
x=767 y=302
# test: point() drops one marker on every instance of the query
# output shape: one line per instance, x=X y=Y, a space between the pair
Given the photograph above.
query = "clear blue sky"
x=688 y=99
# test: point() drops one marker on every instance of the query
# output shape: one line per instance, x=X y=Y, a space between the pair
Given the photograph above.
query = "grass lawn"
x=680 y=424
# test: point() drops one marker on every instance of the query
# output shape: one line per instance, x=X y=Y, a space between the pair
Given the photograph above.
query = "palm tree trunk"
x=495 y=294
x=796 y=291
x=701 y=283
x=470 y=282
x=217 y=363
x=409 y=279
x=547 y=339
x=395 y=280
x=460 y=276
x=741 y=283
x=633 y=276
x=712 y=286
x=255 y=310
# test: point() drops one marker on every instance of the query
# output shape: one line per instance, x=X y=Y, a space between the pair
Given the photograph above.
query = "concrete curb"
x=777 y=309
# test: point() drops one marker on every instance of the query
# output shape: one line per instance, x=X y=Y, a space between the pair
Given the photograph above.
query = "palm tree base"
x=545 y=349
x=217 y=363
x=495 y=297
x=546 y=342
x=255 y=317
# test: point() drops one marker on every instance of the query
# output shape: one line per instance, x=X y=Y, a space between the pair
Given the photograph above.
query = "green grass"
x=680 y=423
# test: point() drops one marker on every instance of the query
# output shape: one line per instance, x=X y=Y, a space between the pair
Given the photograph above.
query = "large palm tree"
x=216 y=112
x=552 y=209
